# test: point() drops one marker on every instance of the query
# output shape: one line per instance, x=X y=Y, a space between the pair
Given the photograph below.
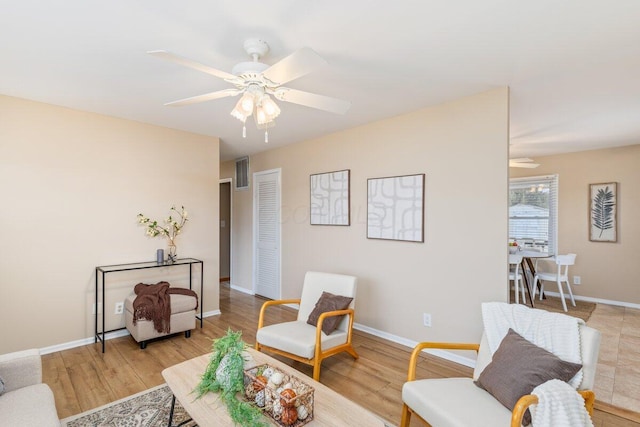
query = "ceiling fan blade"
x=321 y=102
x=163 y=54
x=516 y=164
x=205 y=97
x=294 y=66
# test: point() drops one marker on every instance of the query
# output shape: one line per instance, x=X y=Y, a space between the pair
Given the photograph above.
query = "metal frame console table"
x=102 y=271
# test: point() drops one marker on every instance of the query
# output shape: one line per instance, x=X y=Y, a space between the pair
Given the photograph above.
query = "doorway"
x=225 y=230
x=266 y=231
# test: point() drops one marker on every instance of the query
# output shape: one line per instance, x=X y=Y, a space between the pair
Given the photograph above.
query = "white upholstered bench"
x=183 y=319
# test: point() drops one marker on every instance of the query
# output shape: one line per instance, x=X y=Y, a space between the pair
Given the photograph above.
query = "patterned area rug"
x=149 y=408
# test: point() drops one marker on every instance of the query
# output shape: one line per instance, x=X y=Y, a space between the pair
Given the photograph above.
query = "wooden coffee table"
x=330 y=408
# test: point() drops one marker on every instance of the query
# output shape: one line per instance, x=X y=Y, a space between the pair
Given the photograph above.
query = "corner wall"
x=71 y=185
x=608 y=271
x=462 y=148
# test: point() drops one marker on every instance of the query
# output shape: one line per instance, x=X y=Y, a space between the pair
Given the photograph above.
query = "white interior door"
x=266 y=226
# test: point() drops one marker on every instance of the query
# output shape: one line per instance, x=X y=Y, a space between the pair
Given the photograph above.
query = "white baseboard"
x=596 y=300
x=108 y=336
x=84 y=341
x=241 y=289
x=211 y=313
x=453 y=357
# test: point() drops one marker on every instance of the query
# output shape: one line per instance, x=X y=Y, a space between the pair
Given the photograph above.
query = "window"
x=533 y=212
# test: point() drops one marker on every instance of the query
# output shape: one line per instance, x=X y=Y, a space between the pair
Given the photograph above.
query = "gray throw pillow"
x=329 y=302
x=1 y=386
x=518 y=366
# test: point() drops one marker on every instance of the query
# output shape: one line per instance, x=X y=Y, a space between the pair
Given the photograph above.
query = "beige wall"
x=608 y=271
x=462 y=148
x=72 y=184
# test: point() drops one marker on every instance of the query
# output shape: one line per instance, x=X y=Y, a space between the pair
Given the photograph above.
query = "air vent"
x=242 y=173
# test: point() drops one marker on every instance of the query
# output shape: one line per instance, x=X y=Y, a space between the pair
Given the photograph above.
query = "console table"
x=101 y=276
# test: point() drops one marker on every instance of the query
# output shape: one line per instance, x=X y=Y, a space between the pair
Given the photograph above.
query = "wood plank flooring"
x=83 y=378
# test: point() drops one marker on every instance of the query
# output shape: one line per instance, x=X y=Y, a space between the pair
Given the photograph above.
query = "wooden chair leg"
x=405 y=420
x=352 y=352
x=316 y=369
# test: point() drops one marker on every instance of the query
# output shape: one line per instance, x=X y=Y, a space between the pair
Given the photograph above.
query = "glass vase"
x=172 y=254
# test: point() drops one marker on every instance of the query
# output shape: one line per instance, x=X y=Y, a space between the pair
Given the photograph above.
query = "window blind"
x=533 y=211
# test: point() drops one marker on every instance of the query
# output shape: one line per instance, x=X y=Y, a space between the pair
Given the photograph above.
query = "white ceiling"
x=573 y=66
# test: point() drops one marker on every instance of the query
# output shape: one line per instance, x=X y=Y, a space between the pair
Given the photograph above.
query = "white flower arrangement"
x=171 y=228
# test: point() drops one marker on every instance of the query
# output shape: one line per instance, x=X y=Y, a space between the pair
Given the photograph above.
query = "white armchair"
x=458 y=402
x=26 y=401
x=309 y=344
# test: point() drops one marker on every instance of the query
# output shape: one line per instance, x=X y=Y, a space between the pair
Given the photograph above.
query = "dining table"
x=528 y=256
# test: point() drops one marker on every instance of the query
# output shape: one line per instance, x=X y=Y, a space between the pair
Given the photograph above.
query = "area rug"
x=149 y=408
x=582 y=310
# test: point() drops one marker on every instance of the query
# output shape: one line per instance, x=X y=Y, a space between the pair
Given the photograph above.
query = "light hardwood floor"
x=84 y=378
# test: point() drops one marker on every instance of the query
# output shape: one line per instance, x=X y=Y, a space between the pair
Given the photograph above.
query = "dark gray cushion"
x=518 y=366
x=1 y=386
x=328 y=302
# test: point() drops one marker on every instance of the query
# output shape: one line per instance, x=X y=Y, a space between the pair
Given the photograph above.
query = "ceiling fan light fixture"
x=261 y=116
x=254 y=79
x=270 y=107
x=247 y=103
x=238 y=113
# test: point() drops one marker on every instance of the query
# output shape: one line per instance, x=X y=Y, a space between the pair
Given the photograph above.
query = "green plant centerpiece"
x=225 y=375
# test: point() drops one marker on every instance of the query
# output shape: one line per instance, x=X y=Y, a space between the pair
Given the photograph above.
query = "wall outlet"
x=576 y=280
x=93 y=308
x=426 y=319
x=119 y=308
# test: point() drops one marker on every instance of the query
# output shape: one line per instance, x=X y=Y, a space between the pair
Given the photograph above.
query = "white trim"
x=241 y=289
x=597 y=300
x=82 y=342
x=230 y=181
x=108 y=336
x=447 y=355
x=211 y=313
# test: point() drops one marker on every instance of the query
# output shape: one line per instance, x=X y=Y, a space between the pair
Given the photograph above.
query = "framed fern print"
x=603 y=210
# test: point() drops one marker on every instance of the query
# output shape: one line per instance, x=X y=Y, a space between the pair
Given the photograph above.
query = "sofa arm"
x=21 y=369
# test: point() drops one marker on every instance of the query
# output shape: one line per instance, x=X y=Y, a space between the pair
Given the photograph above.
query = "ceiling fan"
x=523 y=163
x=256 y=81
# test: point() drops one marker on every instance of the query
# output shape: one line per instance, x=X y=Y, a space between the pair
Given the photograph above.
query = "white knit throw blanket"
x=555 y=332
x=559 y=405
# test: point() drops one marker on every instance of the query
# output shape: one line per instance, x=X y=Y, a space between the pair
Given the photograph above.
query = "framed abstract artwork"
x=395 y=208
x=603 y=211
x=330 y=198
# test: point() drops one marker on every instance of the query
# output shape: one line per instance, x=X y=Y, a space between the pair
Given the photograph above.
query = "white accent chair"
x=458 y=402
x=301 y=341
x=515 y=275
x=26 y=401
x=559 y=276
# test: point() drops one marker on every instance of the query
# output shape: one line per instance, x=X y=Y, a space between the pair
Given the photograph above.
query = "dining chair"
x=515 y=275
x=561 y=275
